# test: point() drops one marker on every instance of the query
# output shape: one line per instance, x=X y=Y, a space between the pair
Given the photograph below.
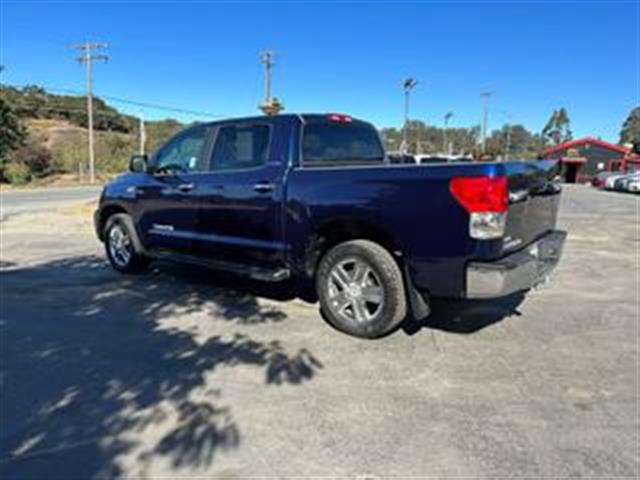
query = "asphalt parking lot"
x=184 y=373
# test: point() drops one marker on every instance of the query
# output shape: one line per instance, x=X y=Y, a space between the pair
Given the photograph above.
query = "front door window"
x=183 y=154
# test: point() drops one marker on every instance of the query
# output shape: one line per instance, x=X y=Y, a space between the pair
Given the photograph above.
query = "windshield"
x=328 y=142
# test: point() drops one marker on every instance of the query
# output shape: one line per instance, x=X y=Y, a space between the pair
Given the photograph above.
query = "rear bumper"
x=519 y=271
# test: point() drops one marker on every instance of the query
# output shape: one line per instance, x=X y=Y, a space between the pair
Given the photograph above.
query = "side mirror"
x=138 y=163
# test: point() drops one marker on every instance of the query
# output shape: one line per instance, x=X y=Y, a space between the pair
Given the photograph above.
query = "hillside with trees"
x=45 y=134
x=509 y=141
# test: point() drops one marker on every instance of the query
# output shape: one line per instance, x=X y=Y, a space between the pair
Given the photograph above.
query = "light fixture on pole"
x=408 y=85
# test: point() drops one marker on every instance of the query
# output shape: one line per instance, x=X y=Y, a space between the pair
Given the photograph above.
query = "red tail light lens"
x=481 y=194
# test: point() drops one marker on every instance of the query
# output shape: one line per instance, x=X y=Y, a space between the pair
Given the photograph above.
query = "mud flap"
x=420 y=308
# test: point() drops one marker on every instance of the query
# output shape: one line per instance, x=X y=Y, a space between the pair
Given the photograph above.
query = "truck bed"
x=413 y=206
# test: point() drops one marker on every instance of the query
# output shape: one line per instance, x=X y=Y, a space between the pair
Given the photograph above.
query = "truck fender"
x=137 y=244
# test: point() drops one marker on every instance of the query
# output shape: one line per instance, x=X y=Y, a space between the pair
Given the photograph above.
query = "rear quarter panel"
x=411 y=204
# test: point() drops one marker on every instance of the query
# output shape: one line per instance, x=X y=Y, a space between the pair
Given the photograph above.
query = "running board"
x=256 y=273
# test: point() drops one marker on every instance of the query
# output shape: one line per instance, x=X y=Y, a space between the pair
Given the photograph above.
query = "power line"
x=154 y=106
x=161 y=107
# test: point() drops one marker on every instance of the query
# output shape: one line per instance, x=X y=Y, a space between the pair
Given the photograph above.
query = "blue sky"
x=344 y=56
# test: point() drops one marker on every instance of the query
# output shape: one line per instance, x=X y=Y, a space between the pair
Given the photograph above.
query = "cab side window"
x=185 y=153
x=241 y=147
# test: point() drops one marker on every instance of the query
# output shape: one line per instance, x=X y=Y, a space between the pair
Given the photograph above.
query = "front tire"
x=361 y=289
x=120 y=245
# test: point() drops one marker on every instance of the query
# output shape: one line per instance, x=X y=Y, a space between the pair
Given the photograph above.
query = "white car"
x=621 y=183
x=634 y=186
x=610 y=182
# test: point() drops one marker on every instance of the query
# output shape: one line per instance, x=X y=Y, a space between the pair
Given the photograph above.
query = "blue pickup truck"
x=314 y=197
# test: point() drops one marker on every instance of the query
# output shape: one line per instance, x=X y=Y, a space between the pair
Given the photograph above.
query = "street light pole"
x=408 y=85
x=485 y=118
x=447 y=117
x=508 y=146
x=508 y=125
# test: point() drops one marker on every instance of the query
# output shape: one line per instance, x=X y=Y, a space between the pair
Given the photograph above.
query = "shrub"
x=16 y=173
x=68 y=157
x=36 y=158
x=113 y=151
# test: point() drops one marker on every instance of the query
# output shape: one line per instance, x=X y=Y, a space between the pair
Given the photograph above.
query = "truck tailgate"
x=533 y=202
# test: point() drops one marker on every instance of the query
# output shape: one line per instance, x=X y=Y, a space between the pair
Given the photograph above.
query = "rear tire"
x=120 y=242
x=361 y=289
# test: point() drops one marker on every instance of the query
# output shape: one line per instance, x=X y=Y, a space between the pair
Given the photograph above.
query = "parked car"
x=312 y=197
x=622 y=183
x=599 y=179
x=426 y=159
x=634 y=186
x=610 y=181
x=401 y=158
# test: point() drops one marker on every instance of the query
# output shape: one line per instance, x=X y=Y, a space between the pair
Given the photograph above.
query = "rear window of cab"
x=340 y=141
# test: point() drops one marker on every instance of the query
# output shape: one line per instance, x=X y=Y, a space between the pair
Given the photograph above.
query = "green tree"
x=12 y=133
x=520 y=142
x=558 y=128
x=630 y=132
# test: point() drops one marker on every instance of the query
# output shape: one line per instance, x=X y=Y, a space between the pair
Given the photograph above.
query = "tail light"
x=487 y=201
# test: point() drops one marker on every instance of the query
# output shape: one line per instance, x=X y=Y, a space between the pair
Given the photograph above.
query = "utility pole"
x=507 y=125
x=270 y=105
x=88 y=57
x=143 y=134
x=485 y=118
x=447 y=117
x=507 y=149
x=408 y=85
x=268 y=62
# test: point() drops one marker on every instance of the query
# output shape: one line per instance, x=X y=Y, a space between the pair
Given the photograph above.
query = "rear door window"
x=327 y=142
x=240 y=147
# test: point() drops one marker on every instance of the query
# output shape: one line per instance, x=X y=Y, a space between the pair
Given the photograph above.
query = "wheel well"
x=107 y=212
x=339 y=231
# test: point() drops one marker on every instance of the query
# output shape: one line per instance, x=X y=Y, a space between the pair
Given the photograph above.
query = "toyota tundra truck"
x=314 y=197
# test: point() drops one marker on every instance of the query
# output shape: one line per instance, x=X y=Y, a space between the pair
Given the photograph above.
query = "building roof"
x=586 y=140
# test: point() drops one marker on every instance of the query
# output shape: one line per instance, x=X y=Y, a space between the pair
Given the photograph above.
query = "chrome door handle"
x=185 y=187
x=263 y=187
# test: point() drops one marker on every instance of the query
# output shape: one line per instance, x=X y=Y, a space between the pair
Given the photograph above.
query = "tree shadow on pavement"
x=89 y=359
x=467 y=316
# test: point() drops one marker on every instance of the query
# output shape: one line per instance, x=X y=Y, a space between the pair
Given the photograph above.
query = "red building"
x=583 y=158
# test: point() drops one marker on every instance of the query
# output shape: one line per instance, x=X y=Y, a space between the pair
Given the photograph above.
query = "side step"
x=256 y=273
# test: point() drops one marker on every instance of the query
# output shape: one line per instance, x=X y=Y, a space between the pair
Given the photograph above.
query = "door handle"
x=185 y=187
x=263 y=187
